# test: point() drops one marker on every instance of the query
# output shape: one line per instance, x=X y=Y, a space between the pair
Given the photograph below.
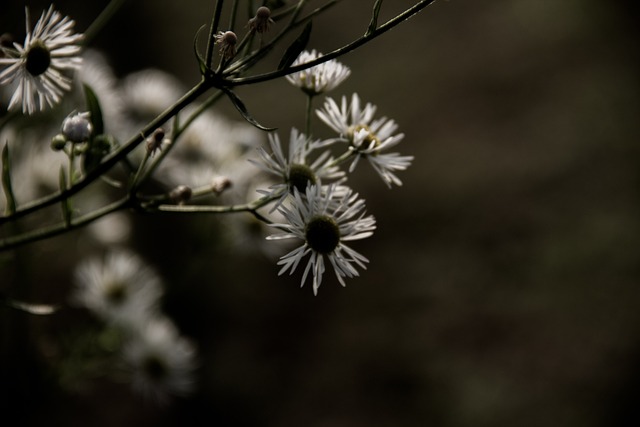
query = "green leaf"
x=374 y=18
x=294 y=50
x=202 y=65
x=38 y=309
x=93 y=106
x=6 y=181
x=237 y=102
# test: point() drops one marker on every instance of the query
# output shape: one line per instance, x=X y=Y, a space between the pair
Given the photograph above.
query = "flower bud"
x=227 y=41
x=155 y=141
x=58 y=142
x=77 y=127
x=262 y=21
x=220 y=183
x=181 y=194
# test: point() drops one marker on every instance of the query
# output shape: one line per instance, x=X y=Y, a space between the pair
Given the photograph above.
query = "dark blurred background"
x=503 y=287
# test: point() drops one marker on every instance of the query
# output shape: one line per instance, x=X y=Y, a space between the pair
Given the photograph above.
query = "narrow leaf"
x=93 y=106
x=294 y=50
x=237 y=102
x=6 y=181
x=202 y=65
x=374 y=18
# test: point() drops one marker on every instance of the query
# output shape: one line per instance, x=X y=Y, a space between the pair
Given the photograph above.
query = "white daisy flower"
x=161 y=362
x=35 y=69
x=118 y=288
x=324 y=221
x=366 y=137
x=320 y=78
x=294 y=171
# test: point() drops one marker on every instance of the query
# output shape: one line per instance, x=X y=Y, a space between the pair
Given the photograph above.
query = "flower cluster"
x=125 y=293
x=311 y=194
x=157 y=147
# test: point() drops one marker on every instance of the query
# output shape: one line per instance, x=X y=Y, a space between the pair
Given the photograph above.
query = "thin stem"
x=212 y=33
x=178 y=131
x=234 y=13
x=248 y=60
x=113 y=158
x=136 y=179
x=336 y=53
x=247 y=207
x=98 y=24
x=60 y=228
x=308 y=118
x=343 y=158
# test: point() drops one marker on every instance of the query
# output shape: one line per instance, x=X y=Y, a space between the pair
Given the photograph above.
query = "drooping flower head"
x=324 y=220
x=36 y=68
x=262 y=21
x=367 y=137
x=320 y=78
x=295 y=171
x=227 y=41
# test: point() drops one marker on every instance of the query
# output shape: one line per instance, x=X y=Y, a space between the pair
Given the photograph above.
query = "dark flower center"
x=38 y=59
x=154 y=367
x=300 y=176
x=322 y=234
x=368 y=141
x=116 y=293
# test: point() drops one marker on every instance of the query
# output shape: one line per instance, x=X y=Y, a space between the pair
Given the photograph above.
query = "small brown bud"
x=181 y=194
x=227 y=41
x=262 y=21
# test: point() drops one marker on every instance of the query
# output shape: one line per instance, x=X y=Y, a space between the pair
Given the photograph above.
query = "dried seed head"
x=155 y=141
x=227 y=41
x=262 y=21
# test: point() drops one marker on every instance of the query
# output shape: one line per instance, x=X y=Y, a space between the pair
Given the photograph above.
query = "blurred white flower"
x=324 y=221
x=319 y=78
x=35 y=168
x=98 y=75
x=119 y=288
x=161 y=362
x=35 y=68
x=367 y=137
x=145 y=94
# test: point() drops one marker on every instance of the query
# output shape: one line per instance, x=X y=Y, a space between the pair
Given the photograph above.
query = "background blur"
x=503 y=286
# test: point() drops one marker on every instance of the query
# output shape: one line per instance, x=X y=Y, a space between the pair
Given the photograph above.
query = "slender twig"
x=112 y=159
x=98 y=24
x=212 y=33
x=60 y=228
x=272 y=75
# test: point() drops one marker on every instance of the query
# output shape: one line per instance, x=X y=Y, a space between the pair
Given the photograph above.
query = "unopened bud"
x=58 y=142
x=262 y=21
x=77 y=127
x=220 y=183
x=155 y=141
x=180 y=194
